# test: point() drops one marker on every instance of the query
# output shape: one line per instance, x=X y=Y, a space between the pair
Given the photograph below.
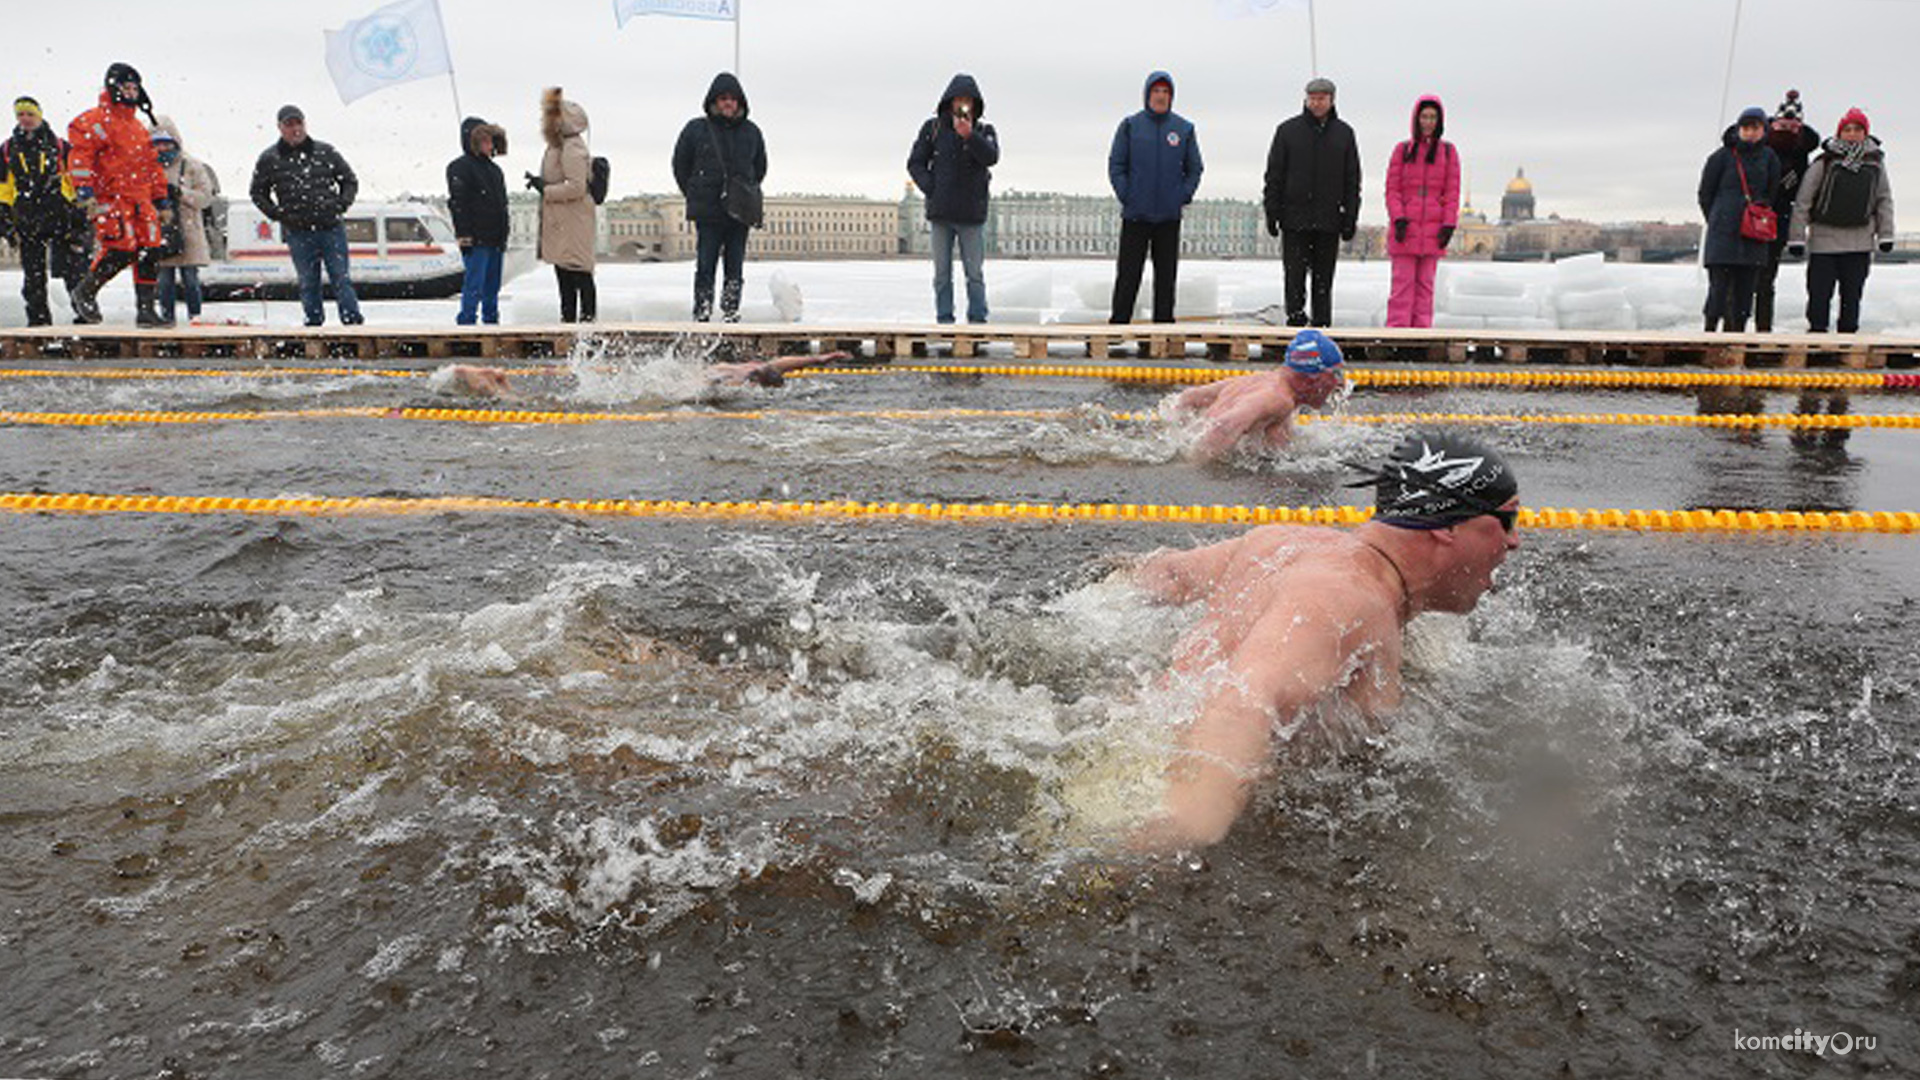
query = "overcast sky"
x=1611 y=105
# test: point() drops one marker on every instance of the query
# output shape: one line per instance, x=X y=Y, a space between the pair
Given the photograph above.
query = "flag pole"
x=1726 y=95
x=1313 y=36
x=453 y=79
x=736 y=39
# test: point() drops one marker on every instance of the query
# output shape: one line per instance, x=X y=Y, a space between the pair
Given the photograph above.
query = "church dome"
x=1520 y=185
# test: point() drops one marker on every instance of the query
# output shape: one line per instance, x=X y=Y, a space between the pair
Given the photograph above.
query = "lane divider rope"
x=1798 y=421
x=1755 y=521
x=1363 y=376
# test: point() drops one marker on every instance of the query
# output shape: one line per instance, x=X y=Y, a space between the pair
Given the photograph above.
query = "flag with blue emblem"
x=399 y=43
x=720 y=10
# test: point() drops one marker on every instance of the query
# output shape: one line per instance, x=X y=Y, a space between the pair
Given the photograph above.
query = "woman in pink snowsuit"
x=1423 y=203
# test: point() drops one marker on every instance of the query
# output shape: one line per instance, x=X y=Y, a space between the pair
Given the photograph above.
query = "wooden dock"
x=1221 y=342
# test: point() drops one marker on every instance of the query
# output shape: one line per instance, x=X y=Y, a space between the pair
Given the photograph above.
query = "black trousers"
x=1309 y=255
x=1763 y=285
x=34 y=266
x=1849 y=271
x=579 y=299
x=1730 y=297
x=1136 y=237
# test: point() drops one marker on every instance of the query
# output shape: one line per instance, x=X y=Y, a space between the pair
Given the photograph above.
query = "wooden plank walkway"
x=1221 y=342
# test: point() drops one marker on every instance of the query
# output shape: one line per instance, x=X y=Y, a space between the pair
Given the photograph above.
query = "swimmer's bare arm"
x=733 y=374
x=1290 y=660
x=1182 y=577
x=1261 y=409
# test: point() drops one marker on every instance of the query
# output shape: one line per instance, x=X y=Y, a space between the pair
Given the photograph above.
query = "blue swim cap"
x=1313 y=352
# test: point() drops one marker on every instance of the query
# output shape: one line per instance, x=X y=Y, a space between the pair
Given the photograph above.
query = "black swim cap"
x=1434 y=479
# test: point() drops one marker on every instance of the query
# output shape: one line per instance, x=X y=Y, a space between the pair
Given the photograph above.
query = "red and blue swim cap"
x=1312 y=353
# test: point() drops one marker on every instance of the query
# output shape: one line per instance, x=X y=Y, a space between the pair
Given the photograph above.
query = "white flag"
x=1247 y=9
x=399 y=43
x=723 y=10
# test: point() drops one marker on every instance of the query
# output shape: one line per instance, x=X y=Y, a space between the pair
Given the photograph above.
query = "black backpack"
x=598 y=179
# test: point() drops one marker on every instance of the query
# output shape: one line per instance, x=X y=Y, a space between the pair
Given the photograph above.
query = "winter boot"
x=86 y=296
x=703 y=304
x=144 y=314
x=730 y=300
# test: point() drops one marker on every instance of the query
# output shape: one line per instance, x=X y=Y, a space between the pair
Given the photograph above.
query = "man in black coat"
x=720 y=151
x=477 y=199
x=305 y=185
x=1794 y=142
x=1313 y=200
x=952 y=164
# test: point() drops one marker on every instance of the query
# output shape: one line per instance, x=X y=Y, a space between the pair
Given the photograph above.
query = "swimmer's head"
x=1438 y=479
x=1316 y=367
x=1313 y=353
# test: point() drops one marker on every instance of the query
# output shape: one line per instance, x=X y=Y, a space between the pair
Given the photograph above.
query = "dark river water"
x=538 y=796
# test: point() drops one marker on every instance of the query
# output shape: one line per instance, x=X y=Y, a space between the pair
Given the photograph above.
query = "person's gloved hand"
x=1796 y=248
x=1886 y=247
x=1446 y=236
x=1399 y=230
x=1273 y=226
x=83 y=194
x=1348 y=231
x=537 y=183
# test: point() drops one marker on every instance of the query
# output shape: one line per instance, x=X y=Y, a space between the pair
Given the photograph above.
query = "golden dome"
x=1520 y=185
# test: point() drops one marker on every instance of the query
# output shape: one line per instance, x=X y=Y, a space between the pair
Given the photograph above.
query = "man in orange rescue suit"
x=117 y=177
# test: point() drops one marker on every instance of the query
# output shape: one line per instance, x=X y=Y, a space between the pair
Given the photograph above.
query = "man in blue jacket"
x=1155 y=168
x=951 y=163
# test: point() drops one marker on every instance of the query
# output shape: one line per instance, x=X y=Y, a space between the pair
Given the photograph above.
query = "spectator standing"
x=718 y=151
x=192 y=187
x=1742 y=173
x=38 y=194
x=306 y=186
x=568 y=225
x=1312 y=200
x=1794 y=143
x=952 y=164
x=1154 y=166
x=1844 y=211
x=1423 y=206
x=477 y=201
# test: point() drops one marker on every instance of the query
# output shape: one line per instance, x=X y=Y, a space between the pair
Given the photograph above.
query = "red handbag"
x=1757 y=222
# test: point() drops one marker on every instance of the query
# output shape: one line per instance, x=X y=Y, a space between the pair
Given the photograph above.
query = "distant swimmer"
x=492 y=382
x=1259 y=408
x=1300 y=620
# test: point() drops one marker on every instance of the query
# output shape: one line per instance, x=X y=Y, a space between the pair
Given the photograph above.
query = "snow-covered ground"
x=1582 y=293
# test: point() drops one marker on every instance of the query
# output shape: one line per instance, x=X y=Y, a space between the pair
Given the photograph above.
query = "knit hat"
x=1854 y=116
x=1321 y=86
x=1790 y=109
x=24 y=104
x=1752 y=114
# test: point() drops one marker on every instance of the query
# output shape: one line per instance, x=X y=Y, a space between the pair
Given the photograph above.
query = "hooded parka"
x=194 y=190
x=1154 y=164
x=1723 y=200
x=1423 y=187
x=697 y=167
x=477 y=189
x=568 y=226
x=955 y=174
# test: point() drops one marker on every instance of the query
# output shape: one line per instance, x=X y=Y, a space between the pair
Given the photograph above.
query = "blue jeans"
x=312 y=249
x=189 y=288
x=973 y=254
x=480 y=288
x=717 y=238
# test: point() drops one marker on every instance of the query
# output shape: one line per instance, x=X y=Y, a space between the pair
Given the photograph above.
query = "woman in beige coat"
x=568 y=228
x=193 y=189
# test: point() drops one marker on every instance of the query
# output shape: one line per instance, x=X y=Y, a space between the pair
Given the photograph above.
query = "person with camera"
x=719 y=163
x=1843 y=212
x=569 y=224
x=952 y=164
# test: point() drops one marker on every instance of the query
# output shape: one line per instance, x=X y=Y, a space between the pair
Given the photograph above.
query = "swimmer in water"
x=1259 y=408
x=491 y=382
x=1300 y=617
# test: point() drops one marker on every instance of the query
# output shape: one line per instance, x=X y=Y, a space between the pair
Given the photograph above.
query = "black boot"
x=702 y=304
x=86 y=298
x=730 y=300
x=1713 y=323
x=144 y=314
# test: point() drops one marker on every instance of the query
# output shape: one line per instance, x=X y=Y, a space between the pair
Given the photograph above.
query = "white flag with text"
x=722 y=10
x=399 y=43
